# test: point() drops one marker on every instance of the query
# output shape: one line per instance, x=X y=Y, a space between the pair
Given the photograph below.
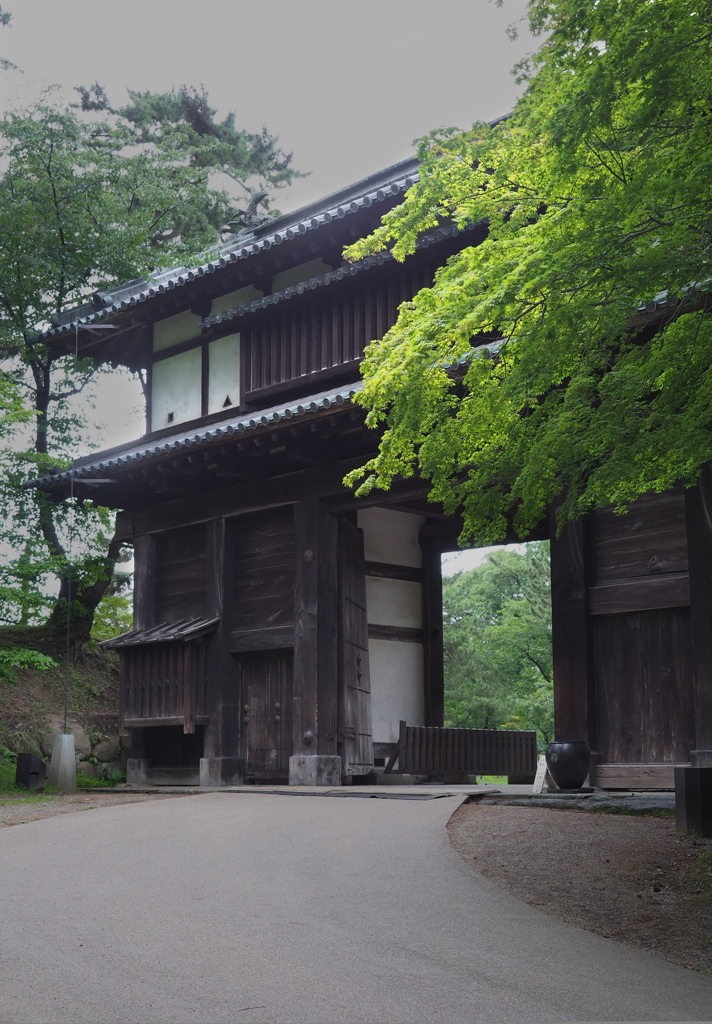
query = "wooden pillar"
x=222 y=761
x=315 y=629
x=698 y=508
x=433 y=667
x=574 y=716
x=144 y=598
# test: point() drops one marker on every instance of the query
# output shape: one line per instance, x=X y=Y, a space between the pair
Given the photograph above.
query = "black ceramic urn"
x=568 y=763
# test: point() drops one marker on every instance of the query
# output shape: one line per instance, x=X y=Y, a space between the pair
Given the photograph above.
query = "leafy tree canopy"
x=598 y=195
x=497 y=643
x=88 y=198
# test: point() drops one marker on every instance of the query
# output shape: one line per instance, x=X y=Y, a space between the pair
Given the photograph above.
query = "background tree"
x=182 y=125
x=497 y=643
x=86 y=202
x=598 y=194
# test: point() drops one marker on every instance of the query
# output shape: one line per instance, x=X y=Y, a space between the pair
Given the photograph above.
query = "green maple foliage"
x=598 y=194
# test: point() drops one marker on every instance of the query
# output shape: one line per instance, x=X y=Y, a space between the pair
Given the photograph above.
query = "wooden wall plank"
x=671 y=590
x=269 y=638
x=181 y=573
x=636 y=776
x=326 y=328
x=644 y=686
x=647 y=540
x=263 y=570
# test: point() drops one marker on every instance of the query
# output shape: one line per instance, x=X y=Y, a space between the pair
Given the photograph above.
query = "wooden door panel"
x=267 y=712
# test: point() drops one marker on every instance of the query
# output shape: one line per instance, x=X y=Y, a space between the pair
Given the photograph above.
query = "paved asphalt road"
x=251 y=908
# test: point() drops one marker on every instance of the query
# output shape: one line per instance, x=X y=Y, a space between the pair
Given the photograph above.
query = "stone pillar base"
x=394 y=779
x=63 y=769
x=314 y=770
x=220 y=771
x=693 y=800
x=137 y=771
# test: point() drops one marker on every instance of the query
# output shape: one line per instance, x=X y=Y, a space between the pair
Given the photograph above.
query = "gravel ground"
x=18 y=810
x=630 y=878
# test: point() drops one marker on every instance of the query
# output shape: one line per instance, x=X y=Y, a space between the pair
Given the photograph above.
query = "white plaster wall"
x=175 y=388
x=390 y=536
x=171 y=331
x=394 y=602
x=239 y=298
x=303 y=272
x=396 y=687
x=223 y=372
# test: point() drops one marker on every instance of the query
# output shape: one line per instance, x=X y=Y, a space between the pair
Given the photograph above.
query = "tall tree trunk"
x=78 y=602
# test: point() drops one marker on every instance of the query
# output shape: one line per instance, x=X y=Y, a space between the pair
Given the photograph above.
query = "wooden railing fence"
x=430 y=750
x=163 y=684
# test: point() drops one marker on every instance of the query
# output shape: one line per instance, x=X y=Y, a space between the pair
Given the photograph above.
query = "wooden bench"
x=428 y=750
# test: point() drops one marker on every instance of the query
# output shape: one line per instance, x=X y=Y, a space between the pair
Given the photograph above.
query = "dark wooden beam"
x=315 y=628
x=432 y=603
x=388 y=571
x=399 y=492
x=284 y=489
x=571 y=629
x=223 y=735
x=403 y=634
x=215 y=581
x=698 y=506
x=144 y=582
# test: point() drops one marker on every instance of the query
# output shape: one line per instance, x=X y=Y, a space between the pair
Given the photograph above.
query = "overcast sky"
x=347 y=86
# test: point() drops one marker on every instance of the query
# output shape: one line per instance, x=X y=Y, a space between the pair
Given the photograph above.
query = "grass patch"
x=8 y=767
x=636 y=812
x=105 y=782
x=23 y=797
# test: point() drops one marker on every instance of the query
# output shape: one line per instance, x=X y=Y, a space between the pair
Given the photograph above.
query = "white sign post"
x=538 y=786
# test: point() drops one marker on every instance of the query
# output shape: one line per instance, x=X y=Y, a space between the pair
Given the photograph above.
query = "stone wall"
x=100 y=751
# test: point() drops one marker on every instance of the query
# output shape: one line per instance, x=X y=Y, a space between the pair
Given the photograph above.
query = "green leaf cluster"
x=597 y=194
x=17 y=658
x=497 y=643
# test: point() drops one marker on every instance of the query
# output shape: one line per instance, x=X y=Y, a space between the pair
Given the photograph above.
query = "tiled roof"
x=333 y=276
x=376 y=189
x=185 y=629
x=105 y=462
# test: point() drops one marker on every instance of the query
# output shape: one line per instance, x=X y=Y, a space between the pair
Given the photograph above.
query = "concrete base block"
x=220 y=771
x=693 y=800
x=63 y=769
x=172 y=776
x=314 y=770
x=137 y=771
x=394 y=779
